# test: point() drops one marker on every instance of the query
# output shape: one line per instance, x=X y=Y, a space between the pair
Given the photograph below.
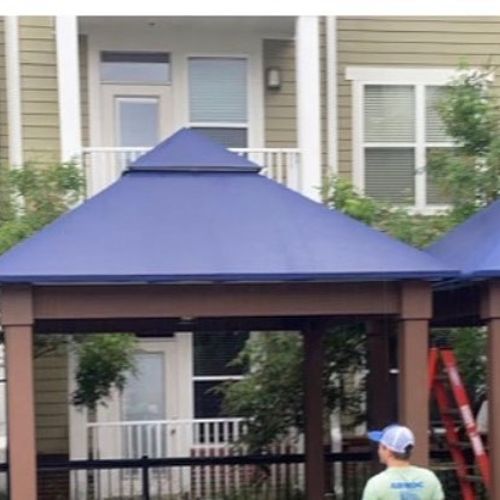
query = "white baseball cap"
x=395 y=437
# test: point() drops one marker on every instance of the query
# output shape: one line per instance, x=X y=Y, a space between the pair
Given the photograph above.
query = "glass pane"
x=389 y=113
x=434 y=126
x=218 y=89
x=214 y=350
x=228 y=137
x=136 y=67
x=207 y=403
x=390 y=174
x=138 y=121
x=144 y=394
x=435 y=195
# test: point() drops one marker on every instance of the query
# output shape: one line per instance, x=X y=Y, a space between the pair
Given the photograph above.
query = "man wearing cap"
x=400 y=480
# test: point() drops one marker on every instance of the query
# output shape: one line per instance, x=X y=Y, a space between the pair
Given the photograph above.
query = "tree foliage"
x=30 y=198
x=270 y=397
x=104 y=362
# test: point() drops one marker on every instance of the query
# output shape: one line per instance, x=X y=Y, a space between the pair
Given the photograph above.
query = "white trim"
x=374 y=75
x=331 y=92
x=420 y=149
x=422 y=78
x=308 y=103
x=68 y=85
x=13 y=83
x=358 y=125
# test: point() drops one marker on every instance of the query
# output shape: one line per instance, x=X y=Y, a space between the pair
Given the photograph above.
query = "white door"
x=141 y=420
x=134 y=118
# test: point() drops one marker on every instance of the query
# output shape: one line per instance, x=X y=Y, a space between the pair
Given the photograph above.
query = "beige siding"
x=425 y=42
x=280 y=107
x=40 y=109
x=51 y=400
x=84 y=92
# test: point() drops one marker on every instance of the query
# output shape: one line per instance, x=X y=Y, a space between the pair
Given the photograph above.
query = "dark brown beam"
x=188 y=301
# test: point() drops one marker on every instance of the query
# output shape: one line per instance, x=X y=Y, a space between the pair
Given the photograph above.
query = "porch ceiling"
x=264 y=25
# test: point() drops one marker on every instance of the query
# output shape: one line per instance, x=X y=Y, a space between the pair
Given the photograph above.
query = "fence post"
x=145 y=478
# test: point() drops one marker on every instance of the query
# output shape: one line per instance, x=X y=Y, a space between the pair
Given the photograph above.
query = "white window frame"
x=237 y=125
x=419 y=79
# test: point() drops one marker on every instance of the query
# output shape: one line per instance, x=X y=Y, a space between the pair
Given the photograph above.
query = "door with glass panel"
x=135 y=119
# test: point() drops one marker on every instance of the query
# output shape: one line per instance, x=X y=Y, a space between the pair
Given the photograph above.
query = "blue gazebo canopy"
x=191 y=211
x=473 y=247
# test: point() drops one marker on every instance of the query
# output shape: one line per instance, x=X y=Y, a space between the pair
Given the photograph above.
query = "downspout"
x=331 y=95
x=13 y=84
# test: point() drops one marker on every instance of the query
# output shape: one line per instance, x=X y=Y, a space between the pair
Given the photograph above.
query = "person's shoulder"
x=424 y=472
x=379 y=478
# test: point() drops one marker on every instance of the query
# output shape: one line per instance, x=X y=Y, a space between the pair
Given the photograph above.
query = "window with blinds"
x=218 y=99
x=401 y=124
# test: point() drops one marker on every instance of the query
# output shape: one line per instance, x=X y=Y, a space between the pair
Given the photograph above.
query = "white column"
x=68 y=79
x=307 y=61
x=13 y=82
x=331 y=93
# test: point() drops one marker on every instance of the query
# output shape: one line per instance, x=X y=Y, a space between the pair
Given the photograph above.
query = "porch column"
x=17 y=320
x=313 y=409
x=490 y=311
x=308 y=104
x=413 y=353
x=379 y=394
x=68 y=84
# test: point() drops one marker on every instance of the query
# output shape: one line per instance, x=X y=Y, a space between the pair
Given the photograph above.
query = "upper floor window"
x=396 y=126
x=218 y=99
x=135 y=67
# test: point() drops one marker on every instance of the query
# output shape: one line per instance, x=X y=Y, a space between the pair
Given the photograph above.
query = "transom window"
x=135 y=67
x=396 y=127
x=218 y=99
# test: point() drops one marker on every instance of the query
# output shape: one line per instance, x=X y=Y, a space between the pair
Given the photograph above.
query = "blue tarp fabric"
x=191 y=211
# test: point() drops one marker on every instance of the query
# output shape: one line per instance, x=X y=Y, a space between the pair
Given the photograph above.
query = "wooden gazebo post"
x=490 y=312
x=17 y=321
x=413 y=387
x=313 y=410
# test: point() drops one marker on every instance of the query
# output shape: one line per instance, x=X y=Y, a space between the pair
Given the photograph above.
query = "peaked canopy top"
x=187 y=150
x=185 y=213
x=473 y=247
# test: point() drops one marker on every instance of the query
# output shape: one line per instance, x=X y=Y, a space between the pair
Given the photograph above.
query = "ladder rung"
x=461 y=444
x=453 y=412
x=473 y=479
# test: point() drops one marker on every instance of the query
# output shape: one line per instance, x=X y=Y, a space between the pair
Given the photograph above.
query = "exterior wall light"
x=273 y=78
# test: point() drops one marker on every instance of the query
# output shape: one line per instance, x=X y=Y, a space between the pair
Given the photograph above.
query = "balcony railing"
x=103 y=165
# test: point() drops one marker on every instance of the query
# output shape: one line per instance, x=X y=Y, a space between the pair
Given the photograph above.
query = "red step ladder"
x=443 y=376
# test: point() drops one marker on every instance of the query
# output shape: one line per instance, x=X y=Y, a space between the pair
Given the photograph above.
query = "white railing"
x=163 y=438
x=178 y=438
x=103 y=165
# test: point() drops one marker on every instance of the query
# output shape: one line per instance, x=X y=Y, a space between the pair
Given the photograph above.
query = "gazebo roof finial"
x=188 y=150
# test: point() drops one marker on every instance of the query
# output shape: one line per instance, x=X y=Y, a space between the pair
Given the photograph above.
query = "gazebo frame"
x=478 y=304
x=306 y=306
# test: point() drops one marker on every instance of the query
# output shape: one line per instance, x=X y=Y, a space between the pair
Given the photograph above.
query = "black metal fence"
x=250 y=477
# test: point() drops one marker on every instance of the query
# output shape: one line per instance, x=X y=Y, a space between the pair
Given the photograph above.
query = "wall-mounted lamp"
x=273 y=78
